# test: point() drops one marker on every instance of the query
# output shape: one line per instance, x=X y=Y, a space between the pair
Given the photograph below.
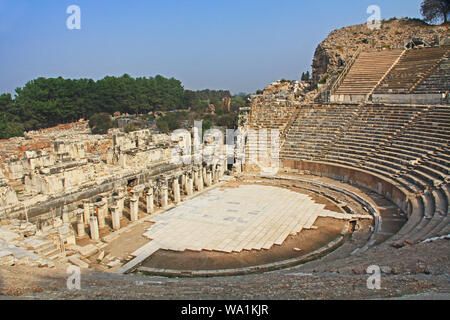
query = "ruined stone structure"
x=70 y=184
x=226 y=104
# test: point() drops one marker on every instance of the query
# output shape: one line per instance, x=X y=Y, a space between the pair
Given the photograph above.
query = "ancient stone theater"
x=359 y=162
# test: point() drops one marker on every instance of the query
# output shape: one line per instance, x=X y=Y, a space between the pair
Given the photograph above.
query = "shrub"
x=100 y=123
x=130 y=128
x=323 y=80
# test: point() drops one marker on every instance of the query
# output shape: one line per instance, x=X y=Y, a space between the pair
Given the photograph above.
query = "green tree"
x=435 y=10
x=10 y=129
x=206 y=125
x=305 y=76
x=46 y=102
x=5 y=102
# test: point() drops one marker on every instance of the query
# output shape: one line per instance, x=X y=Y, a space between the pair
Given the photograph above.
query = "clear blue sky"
x=239 y=45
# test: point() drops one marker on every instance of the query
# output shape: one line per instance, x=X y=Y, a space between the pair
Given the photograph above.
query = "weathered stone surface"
x=88 y=250
x=76 y=261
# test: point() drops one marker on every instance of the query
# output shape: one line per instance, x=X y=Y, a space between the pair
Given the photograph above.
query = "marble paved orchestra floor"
x=248 y=217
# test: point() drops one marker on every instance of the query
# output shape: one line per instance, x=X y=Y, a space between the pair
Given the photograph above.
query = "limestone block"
x=76 y=261
x=8 y=196
x=87 y=250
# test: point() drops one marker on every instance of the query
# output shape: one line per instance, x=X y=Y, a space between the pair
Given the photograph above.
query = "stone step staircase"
x=45 y=248
x=367 y=71
x=413 y=67
x=438 y=81
x=431 y=69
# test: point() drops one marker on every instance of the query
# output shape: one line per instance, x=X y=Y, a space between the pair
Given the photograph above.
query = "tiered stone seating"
x=371 y=129
x=413 y=65
x=430 y=225
x=314 y=128
x=438 y=81
x=367 y=71
x=428 y=138
x=406 y=144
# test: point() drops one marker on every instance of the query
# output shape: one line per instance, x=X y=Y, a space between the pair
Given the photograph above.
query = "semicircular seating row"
x=407 y=144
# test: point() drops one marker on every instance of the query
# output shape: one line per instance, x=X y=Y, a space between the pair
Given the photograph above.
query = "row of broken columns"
x=94 y=214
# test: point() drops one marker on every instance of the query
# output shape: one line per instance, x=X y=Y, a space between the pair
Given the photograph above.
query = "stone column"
x=196 y=180
x=189 y=187
x=221 y=170
x=225 y=165
x=115 y=217
x=204 y=174
x=121 y=202
x=215 y=175
x=183 y=182
x=94 y=229
x=105 y=211
x=65 y=217
x=101 y=214
x=80 y=226
x=237 y=166
x=176 y=190
x=134 y=207
x=164 y=196
x=149 y=199
x=200 y=181
x=208 y=179
x=87 y=210
x=62 y=244
x=116 y=200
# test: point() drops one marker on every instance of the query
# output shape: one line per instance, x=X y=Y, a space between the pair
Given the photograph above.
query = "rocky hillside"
x=337 y=49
